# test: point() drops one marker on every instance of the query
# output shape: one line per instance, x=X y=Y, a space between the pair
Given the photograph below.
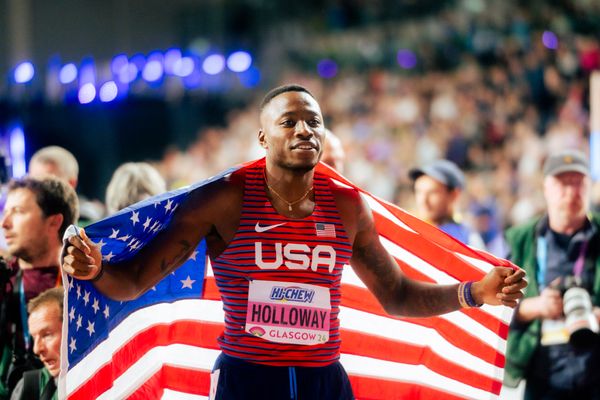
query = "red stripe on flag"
x=369 y=388
x=196 y=382
x=200 y=334
x=382 y=348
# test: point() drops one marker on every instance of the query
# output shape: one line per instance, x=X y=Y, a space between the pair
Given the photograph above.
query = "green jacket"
x=43 y=378
x=522 y=344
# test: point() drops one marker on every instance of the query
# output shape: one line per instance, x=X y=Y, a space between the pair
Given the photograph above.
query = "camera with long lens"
x=580 y=320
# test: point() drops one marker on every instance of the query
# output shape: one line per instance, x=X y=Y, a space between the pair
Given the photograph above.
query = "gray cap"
x=566 y=161
x=443 y=171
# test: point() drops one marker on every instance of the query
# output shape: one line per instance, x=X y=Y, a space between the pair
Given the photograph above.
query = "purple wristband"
x=468 y=296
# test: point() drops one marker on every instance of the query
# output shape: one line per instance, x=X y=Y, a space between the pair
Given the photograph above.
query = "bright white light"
x=239 y=61
x=87 y=93
x=128 y=73
x=213 y=64
x=24 y=72
x=108 y=91
x=67 y=74
x=153 y=71
x=183 y=67
x=17 y=151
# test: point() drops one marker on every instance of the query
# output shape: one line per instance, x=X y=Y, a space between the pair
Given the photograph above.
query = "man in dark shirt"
x=36 y=214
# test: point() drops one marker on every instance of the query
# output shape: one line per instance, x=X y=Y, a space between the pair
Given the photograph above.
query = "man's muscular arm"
x=197 y=216
x=400 y=295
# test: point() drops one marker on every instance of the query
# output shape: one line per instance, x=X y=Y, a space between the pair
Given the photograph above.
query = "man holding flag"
x=278 y=232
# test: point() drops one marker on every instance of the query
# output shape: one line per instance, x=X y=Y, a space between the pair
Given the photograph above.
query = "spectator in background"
x=45 y=326
x=438 y=187
x=36 y=215
x=333 y=152
x=54 y=161
x=59 y=162
x=133 y=182
x=563 y=244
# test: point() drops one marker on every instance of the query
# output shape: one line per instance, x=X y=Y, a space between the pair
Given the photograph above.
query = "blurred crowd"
x=510 y=95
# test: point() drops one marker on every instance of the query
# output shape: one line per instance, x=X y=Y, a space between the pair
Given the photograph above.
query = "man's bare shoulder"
x=217 y=197
x=350 y=206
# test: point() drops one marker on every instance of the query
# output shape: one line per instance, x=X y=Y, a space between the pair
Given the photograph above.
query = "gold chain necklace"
x=289 y=203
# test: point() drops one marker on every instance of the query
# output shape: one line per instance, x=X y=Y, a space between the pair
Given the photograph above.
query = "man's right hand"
x=548 y=305
x=83 y=259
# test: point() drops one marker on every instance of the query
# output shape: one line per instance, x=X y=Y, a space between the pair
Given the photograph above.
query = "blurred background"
x=493 y=86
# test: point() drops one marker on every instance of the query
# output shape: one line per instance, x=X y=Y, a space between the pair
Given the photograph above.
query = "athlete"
x=279 y=231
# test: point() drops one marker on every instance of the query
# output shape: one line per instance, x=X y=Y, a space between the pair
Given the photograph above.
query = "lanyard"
x=542 y=259
x=23 y=306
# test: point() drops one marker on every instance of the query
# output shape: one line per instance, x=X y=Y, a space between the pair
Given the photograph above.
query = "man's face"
x=567 y=195
x=25 y=227
x=435 y=202
x=292 y=131
x=45 y=326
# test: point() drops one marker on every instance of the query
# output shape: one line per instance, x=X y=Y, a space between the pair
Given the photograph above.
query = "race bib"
x=286 y=312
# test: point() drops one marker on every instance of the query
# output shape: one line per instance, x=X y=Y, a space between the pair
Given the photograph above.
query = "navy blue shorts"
x=243 y=380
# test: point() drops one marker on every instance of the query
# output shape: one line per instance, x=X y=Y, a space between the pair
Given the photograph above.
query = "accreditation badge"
x=286 y=312
x=554 y=331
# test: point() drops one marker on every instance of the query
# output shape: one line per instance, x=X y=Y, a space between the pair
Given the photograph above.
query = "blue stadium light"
x=17 y=151
x=153 y=71
x=118 y=63
x=87 y=93
x=213 y=64
x=172 y=57
x=154 y=68
x=406 y=59
x=128 y=73
x=550 y=40
x=250 y=78
x=184 y=67
x=327 y=68
x=24 y=72
x=67 y=74
x=108 y=92
x=239 y=61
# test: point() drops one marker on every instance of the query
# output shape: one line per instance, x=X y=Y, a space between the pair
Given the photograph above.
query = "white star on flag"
x=72 y=345
x=106 y=311
x=100 y=245
x=135 y=217
x=90 y=328
x=114 y=234
x=96 y=306
x=79 y=321
x=146 y=224
x=187 y=283
x=72 y=314
x=86 y=297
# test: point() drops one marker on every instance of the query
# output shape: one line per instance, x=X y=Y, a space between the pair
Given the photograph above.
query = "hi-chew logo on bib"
x=288 y=313
x=292 y=293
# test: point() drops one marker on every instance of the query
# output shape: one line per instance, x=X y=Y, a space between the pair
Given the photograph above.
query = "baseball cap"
x=566 y=161
x=443 y=171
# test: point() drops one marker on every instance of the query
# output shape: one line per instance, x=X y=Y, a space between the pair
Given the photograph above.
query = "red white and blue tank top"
x=279 y=280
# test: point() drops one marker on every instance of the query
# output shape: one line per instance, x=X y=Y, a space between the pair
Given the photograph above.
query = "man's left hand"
x=500 y=286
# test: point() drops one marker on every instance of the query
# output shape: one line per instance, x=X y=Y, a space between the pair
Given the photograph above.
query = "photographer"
x=36 y=214
x=558 y=251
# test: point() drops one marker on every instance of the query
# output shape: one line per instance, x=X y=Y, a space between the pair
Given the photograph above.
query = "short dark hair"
x=53 y=196
x=282 y=89
x=54 y=295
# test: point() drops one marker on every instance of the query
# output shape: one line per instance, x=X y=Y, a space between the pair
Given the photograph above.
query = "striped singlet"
x=276 y=276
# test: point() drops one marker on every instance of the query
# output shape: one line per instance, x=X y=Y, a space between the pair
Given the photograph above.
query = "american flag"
x=163 y=345
x=325 y=230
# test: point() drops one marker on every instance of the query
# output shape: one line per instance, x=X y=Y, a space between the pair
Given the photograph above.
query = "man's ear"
x=55 y=221
x=261 y=139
